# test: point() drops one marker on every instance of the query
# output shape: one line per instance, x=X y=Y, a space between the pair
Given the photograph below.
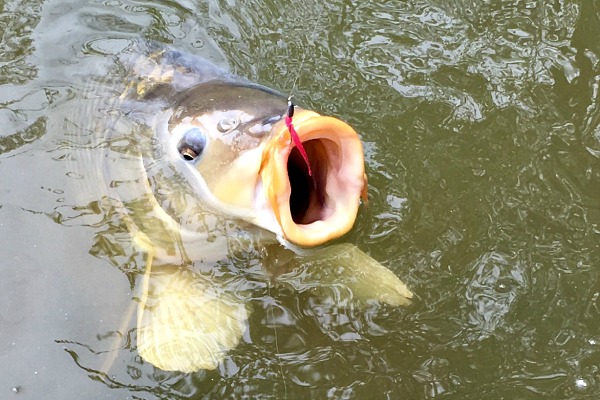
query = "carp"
x=200 y=164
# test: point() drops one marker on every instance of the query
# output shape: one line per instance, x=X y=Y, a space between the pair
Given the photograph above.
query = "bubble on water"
x=581 y=383
x=395 y=201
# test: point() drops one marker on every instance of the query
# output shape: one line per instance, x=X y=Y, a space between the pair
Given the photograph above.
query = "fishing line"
x=310 y=39
x=277 y=344
x=313 y=30
x=290 y=109
x=294 y=84
x=289 y=115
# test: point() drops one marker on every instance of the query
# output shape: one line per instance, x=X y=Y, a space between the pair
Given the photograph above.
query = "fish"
x=200 y=165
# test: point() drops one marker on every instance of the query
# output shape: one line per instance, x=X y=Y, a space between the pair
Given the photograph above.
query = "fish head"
x=233 y=143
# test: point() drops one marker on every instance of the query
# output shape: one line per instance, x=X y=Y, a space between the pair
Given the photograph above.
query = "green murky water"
x=481 y=123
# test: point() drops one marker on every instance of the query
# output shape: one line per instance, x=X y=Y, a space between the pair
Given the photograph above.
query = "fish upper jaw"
x=311 y=210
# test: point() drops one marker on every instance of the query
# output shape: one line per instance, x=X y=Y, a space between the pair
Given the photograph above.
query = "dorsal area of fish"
x=260 y=104
x=159 y=73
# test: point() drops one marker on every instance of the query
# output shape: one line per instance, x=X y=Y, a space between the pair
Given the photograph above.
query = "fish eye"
x=192 y=144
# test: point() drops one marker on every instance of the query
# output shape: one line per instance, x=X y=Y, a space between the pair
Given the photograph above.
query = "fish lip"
x=314 y=210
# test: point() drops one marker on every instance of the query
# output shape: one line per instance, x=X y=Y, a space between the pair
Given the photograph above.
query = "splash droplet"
x=581 y=384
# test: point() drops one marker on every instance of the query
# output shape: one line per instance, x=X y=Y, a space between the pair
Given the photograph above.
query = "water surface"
x=481 y=128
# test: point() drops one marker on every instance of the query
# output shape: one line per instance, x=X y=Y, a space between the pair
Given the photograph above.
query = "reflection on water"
x=30 y=134
x=492 y=291
x=480 y=122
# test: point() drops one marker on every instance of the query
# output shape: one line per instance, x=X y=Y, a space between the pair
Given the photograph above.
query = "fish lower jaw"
x=320 y=231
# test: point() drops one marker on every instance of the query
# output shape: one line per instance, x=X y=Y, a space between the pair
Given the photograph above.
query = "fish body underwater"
x=200 y=163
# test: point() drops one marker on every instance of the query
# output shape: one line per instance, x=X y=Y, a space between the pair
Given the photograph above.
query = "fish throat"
x=308 y=198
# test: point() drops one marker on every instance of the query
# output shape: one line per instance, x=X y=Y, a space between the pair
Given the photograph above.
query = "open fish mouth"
x=312 y=210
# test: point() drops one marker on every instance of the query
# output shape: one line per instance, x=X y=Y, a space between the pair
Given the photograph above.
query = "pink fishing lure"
x=294 y=135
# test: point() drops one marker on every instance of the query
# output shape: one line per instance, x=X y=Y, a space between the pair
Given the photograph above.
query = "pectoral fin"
x=344 y=265
x=184 y=323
